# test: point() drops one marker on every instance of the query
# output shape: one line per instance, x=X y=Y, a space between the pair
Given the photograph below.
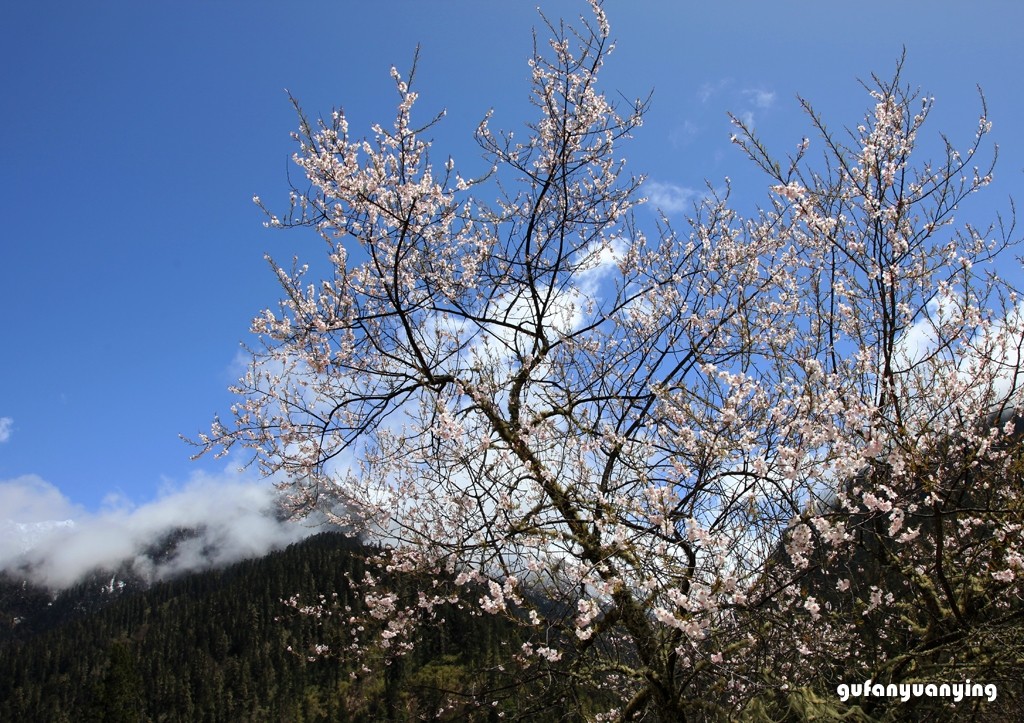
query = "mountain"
x=221 y=645
x=17 y=538
x=27 y=608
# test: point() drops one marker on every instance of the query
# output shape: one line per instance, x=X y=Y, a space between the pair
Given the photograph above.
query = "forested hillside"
x=217 y=646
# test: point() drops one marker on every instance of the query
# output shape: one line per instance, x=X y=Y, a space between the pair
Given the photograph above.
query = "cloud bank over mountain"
x=216 y=519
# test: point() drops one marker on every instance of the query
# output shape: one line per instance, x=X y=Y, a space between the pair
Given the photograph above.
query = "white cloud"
x=744 y=103
x=30 y=498
x=709 y=90
x=683 y=134
x=233 y=519
x=759 y=99
x=762 y=99
x=670 y=198
x=983 y=371
x=6 y=427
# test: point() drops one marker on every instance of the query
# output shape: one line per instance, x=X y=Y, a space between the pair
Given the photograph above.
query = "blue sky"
x=134 y=136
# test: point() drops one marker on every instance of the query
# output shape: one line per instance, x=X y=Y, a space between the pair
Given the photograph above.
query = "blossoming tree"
x=910 y=565
x=639 y=444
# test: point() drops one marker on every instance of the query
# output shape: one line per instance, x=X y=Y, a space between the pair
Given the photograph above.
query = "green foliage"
x=801 y=704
